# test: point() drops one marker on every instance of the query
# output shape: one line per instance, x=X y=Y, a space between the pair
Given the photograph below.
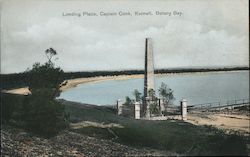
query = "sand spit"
x=21 y=91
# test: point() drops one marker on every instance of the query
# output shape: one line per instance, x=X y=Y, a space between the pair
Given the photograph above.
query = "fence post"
x=184 y=109
x=137 y=110
x=119 y=107
x=162 y=107
x=219 y=107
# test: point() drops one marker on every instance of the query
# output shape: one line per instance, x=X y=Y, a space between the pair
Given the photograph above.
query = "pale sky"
x=208 y=33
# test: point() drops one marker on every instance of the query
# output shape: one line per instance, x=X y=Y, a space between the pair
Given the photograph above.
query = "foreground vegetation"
x=38 y=112
x=174 y=136
x=170 y=136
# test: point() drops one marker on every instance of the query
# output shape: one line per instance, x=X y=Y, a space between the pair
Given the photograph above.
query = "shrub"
x=128 y=101
x=43 y=116
x=41 y=113
x=9 y=105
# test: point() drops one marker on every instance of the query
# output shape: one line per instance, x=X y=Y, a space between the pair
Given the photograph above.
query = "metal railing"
x=219 y=105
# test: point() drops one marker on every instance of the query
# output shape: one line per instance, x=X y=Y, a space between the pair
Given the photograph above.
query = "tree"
x=154 y=108
x=45 y=76
x=153 y=105
x=137 y=95
x=128 y=101
x=42 y=114
x=167 y=94
x=50 y=53
x=151 y=94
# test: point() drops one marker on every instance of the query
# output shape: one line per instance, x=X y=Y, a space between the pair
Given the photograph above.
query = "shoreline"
x=75 y=82
x=71 y=83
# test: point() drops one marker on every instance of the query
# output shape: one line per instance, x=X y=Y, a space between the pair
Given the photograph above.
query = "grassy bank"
x=174 y=136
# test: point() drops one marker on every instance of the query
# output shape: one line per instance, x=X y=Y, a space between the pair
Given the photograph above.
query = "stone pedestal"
x=119 y=107
x=147 y=114
x=137 y=110
x=184 y=109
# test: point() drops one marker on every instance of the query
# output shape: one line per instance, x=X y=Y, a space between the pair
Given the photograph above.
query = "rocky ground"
x=16 y=142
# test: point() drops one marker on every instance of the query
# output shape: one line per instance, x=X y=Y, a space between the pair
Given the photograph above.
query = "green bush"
x=128 y=101
x=9 y=105
x=39 y=112
x=43 y=116
x=45 y=76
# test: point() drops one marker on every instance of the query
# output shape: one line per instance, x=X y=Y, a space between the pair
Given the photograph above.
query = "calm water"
x=196 y=88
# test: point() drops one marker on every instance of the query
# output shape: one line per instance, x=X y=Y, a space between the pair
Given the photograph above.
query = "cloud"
x=178 y=43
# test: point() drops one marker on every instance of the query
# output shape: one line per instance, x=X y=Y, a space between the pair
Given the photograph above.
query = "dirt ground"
x=226 y=121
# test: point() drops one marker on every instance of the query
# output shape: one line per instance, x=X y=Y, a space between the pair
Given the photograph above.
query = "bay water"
x=197 y=88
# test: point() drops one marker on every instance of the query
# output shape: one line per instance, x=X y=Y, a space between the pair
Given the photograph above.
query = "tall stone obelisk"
x=149 y=72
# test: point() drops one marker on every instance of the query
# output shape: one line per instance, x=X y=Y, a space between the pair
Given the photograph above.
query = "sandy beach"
x=74 y=82
x=71 y=83
x=21 y=91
